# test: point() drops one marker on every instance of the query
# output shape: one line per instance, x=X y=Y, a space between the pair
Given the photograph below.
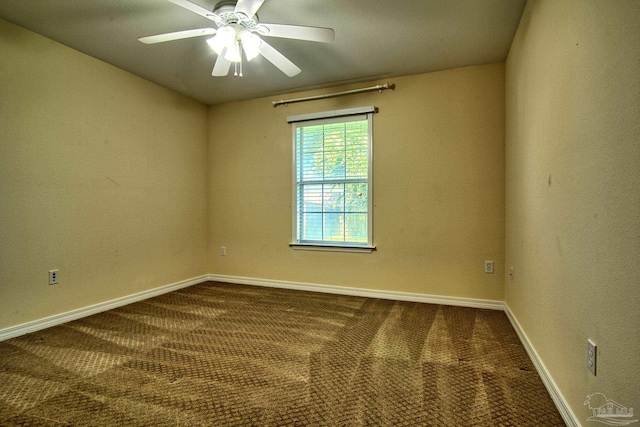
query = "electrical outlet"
x=223 y=250
x=591 y=356
x=53 y=277
x=488 y=267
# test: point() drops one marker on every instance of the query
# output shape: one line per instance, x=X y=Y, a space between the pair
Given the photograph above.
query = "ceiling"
x=375 y=39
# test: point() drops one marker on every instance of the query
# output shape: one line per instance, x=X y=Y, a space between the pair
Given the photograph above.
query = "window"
x=332 y=182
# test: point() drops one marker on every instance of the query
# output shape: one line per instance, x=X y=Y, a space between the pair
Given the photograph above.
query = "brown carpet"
x=232 y=355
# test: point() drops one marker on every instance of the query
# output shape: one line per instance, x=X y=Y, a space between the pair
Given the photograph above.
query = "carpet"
x=230 y=355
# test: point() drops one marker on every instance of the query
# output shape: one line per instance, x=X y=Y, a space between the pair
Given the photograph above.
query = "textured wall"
x=438 y=188
x=102 y=176
x=573 y=192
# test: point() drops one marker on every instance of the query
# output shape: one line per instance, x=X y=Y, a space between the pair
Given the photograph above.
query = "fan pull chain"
x=237 y=69
x=240 y=47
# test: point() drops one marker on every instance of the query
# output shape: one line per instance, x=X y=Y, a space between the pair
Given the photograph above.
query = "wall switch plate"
x=223 y=250
x=511 y=272
x=488 y=267
x=53 y=277
x=591 y=356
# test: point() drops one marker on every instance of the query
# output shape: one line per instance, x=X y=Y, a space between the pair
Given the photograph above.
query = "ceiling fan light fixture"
x=233 y=53
x=224 y=38
x=239 y=29
x=250 y=44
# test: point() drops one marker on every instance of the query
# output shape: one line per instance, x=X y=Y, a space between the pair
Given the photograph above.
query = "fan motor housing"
x=226 y=11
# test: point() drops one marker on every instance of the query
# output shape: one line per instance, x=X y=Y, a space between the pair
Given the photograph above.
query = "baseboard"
x=47 y=322
x=567 y=414
x=358 y=292
x=565 y=411
x=58 y=319
x=558 y=399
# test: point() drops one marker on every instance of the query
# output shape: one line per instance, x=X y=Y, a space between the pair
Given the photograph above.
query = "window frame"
x=339 y=116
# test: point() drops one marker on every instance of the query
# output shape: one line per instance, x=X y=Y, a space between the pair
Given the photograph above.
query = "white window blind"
x=333 y=194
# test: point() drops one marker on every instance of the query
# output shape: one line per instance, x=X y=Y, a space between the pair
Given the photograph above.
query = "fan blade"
x=221 y=68
x=248 y=7
x=314 y=34
x=194 y=8
x=279 y=60
x=177 y=35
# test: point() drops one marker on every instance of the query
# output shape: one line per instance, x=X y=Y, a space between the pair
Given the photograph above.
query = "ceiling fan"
x=239 y=31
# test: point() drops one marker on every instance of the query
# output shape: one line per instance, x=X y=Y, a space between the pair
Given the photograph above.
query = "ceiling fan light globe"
x=215 y=45
x=252 y=55
x=233 y=53
x=224 y=38
x=251 y=45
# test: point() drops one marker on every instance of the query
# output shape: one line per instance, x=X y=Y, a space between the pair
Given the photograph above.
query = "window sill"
x=332 y=248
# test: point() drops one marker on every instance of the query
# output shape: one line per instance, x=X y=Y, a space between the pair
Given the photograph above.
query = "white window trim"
x=317 y=118
x=332 y=248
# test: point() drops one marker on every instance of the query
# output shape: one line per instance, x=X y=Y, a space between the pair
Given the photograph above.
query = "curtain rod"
x=379 y=88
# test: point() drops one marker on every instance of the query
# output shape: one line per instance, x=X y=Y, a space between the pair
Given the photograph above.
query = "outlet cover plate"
x=488 y=267
x=53 y=277
x=591 y=356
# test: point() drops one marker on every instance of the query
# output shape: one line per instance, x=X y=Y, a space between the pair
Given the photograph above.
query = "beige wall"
x=573 y=192
x=109 y=178
x=439 y=188
x=102 y=176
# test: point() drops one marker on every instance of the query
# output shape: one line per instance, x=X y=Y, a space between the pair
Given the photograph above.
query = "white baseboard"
x=565 y=411
x=567 y=414
x=58 y=319
x=47 y=322
x=558 y=399
x=358 y=292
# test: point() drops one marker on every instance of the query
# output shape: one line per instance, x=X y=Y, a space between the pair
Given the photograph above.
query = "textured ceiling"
x=374 y=39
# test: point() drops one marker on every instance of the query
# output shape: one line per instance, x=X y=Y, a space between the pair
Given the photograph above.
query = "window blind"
x=332 y=181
